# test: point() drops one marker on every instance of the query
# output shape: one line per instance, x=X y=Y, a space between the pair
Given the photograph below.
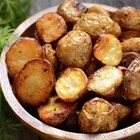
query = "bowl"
x=41 y=129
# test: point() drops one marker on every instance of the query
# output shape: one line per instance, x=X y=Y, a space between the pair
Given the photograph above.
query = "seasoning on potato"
x=35 y=82
x=55 y=111
x=108 y=50
x=71 y=84
x=74 y=49
x=98 y=115
x=71 y=10
x=23 y=50
x=96 y=24
x=50 y=27
x=105 y=80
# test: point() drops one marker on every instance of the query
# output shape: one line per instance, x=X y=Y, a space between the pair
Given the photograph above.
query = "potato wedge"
x=71 y=85
x=74 y=49
x=35 y=82
x=105 y=81
x=96 y=24
x=71 y=10
x=108 y=50
x=55 y=111
x=98 y=115
x=51 y=27
x=21 y=52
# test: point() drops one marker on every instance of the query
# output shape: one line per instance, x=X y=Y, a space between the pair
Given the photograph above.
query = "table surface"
x=38 y=5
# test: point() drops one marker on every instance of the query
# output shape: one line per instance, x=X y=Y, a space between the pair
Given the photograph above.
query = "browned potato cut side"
x=71 y=85
x=108 y=50
x=71 y=10
x=51 y=27
x=50 y=55
x=97 y=24
x=131 y=81
x=131 y=45
x=35 y=82
x=20 y=53
x=74 y=49
x=98 y=115
x=56 y=111
x=105 y=81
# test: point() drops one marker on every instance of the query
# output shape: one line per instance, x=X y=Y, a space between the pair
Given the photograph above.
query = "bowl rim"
x=33 y=122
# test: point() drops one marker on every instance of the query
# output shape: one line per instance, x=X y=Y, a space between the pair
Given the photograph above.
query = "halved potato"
x=51 y=27
x=71 y=84
x=35 y=82
x=105 y=81
x=55 y=111
x=23 y=50
x=108 y=50
x=98 y=115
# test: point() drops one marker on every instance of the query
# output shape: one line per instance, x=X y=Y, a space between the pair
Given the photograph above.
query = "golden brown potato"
x=71 y=10
x=105 y=81
x=55 y=111
x=131 y=81
x=71 y=84
x=21 y=52
x=97 y=24
x=50 y=55
x=108 y=50
x=98 y=115
x=123 y=111
x=51 y=27
x=128 y=57
x=97 y=9
x=128 y=18
x=74 y=49
x=35 y=82
x=131 y=45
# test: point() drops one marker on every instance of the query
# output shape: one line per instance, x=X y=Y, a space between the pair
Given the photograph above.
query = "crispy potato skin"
x=131 y=45
x=97 y=24
x=71 y=85
x=131 y=81
x=22 y=51
x=35 y=82
x=74 y=49
x=71 y=10
x=55 y=111
x=108 y=50
x=98 y=115
x=128 y=18
x=105 y=80
x=51 y=27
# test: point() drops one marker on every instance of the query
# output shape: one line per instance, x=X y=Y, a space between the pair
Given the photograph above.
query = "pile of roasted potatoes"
x=81 y=70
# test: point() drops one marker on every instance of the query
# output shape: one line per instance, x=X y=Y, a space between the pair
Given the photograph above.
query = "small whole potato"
x=97 y=24
x=98 y=115
x=74 y=49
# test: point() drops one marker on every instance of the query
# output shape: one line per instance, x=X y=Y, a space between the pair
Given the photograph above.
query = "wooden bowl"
x=46 y=131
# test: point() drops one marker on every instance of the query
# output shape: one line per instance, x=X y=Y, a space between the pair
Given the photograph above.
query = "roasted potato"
x=123 y=111
x=131 y=45
x=98 y=115
x=105 y=81
x=71 y=10
x=97 y=24
x=108 y=50
x=35 y=82
x=50 y=55
x=131 y=81
x=128 y=18
x=23 y=50
x=55 y=111
x=50 y=27
x=74 y=49
x=71 y=84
